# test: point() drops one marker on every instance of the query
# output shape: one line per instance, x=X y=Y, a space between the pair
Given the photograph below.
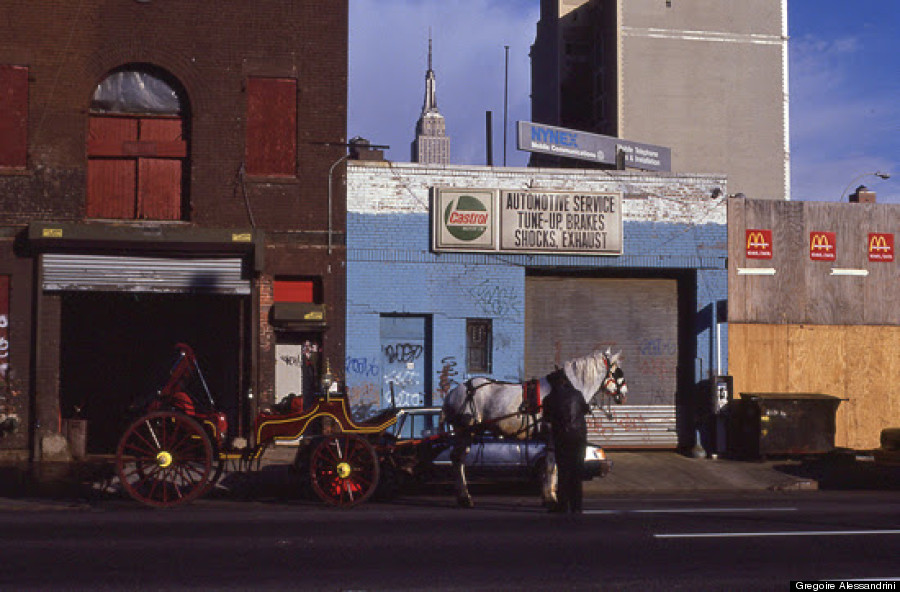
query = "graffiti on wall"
x=4 y=329
x=363 y=391
x=4 y=347
x=361 y=367
x=8 y=418
x=496 y=300
x=403 y=352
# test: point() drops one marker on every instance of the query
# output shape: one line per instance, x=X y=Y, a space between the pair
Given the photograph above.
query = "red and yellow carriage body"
x=177 y=450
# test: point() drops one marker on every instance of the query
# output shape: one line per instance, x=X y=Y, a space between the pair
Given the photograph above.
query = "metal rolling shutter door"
x=571 y=317
x=144 y=274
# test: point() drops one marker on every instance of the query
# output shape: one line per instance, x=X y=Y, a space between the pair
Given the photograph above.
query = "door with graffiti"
x=297 y=366
x=405 y=361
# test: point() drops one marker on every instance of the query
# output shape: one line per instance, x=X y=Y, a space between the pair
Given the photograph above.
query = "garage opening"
x=118 y=347
x=646 y=317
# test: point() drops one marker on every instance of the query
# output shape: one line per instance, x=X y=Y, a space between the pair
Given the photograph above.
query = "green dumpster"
x=786 y=424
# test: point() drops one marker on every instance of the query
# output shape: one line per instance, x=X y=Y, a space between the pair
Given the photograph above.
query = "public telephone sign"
x=822 y=246
x=759 y=244
x=881 y=247
x=569 y=143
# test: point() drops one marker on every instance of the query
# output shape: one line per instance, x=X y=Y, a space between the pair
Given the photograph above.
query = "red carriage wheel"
x=344 y=469
x=165 y=459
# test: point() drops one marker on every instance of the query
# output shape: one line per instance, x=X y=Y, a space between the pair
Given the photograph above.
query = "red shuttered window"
x=271 y=145
x=13 y=116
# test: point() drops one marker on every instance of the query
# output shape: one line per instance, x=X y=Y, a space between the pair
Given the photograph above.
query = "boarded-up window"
x=271 y=148
x=137 y=146
x=13 y=116
x=479 y=333
x=135 y=167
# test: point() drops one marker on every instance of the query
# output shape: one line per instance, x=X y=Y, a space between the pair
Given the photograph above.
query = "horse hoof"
x=465 y=502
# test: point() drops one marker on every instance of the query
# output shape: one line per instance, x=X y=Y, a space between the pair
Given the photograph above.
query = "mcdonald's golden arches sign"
x=759 y=244
x=881 y=247
x=822 y=246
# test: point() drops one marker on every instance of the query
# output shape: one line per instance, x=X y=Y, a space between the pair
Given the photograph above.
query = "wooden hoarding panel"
x=757 y=357
x=806 y=289
x=856 y=363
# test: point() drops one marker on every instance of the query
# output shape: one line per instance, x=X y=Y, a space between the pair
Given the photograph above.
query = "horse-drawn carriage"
x=179 y=447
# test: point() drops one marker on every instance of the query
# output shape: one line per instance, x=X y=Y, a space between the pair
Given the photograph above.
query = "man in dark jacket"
x=565 y=409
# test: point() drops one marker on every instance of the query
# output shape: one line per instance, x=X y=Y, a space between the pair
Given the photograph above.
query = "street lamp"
x=878 y=174
x=351 y=144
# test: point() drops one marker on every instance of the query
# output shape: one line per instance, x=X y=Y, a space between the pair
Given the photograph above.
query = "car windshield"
x=417 y=424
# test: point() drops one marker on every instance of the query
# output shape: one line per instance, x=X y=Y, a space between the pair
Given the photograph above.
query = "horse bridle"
x=613 y=376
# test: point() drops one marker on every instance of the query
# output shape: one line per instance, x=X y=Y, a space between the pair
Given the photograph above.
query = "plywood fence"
x=858 y=363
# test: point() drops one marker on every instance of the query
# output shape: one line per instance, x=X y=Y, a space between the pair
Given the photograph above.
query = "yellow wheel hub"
x=164 y=459
x=344 y=470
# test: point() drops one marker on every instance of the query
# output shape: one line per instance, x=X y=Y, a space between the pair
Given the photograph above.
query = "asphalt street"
x=697 y=541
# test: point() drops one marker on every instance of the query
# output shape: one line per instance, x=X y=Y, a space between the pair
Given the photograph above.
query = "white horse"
x=482 y=403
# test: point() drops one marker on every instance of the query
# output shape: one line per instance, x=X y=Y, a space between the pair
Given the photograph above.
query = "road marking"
x=715 y=535
x=691 y=511
x=711 y=510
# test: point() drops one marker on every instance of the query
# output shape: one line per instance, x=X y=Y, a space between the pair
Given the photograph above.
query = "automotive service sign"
x=550 y=222
x=561 y=222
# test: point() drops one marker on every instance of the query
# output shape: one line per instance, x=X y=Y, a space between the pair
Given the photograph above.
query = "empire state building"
x=431 y=146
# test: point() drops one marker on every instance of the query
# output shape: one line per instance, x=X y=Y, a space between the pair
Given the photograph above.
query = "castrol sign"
x=464 y=219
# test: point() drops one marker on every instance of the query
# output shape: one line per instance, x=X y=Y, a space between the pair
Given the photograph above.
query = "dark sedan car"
x=491 y=458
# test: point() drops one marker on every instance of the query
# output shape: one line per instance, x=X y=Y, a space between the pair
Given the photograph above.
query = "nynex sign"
x=552 y=222
x=534 y=137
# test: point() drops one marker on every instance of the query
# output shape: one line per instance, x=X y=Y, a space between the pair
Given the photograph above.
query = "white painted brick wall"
x=385 y=187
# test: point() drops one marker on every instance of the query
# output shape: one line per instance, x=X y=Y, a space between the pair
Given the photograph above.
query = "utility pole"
x=505 y=102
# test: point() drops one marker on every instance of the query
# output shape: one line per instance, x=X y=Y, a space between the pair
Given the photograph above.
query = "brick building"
x=422 y=316
x=169 y=172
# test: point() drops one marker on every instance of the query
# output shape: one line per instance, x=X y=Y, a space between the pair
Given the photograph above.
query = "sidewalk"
x=661 y=472
x=642 y=472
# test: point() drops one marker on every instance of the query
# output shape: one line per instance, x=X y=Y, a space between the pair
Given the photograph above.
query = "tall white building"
x=431 y=146
x=706 y=78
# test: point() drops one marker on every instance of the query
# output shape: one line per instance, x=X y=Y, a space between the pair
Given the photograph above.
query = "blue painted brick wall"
x=391 y=270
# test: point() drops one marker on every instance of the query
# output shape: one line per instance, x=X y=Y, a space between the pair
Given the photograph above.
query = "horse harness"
x=531 y=402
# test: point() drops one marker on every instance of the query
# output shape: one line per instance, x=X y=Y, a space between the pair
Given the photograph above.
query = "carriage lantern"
x=327 y=380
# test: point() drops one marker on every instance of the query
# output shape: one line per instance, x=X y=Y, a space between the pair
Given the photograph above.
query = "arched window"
x=137 y=146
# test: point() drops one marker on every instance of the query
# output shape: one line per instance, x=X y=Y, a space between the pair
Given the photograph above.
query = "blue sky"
x=844 y=83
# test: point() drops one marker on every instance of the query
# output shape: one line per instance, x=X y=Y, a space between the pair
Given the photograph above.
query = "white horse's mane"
x=587 y=373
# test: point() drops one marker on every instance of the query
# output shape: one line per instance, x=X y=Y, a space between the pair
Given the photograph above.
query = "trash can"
x=75 y=431
x=784 y=424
